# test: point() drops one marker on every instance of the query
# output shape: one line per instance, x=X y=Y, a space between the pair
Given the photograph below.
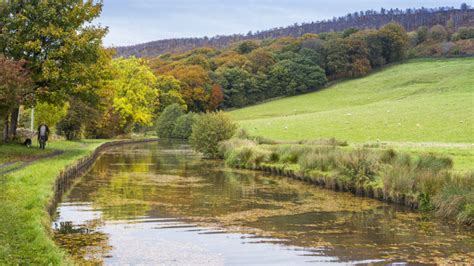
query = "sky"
x=139 y=21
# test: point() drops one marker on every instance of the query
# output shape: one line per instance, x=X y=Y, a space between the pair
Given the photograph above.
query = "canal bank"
x=28 y=193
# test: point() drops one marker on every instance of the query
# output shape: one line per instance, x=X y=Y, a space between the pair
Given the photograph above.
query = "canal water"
x=162 y=204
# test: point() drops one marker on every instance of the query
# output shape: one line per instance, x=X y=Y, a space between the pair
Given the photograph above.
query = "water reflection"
x=160 y=203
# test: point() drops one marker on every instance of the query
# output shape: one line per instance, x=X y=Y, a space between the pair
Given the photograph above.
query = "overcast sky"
x=139 y=21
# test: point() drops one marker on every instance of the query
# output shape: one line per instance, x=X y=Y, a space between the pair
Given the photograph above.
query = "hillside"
x=410 y=19
x=430 y=100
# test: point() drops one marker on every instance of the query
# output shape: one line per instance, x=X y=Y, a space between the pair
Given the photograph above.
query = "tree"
x=71 y=126
x=171 y=97
x=167 y=121
x=260 y=60
x=217 y=97
x=289 y=78
x=237 y=84
x=50 y=114
x=337 y=58
x=438 y=33
x=54 y=40
x=394 y=40
x=16 y=87
x=166 y=83
x=421 y=34
x=135 y=98
x=195 y=81
x=209 y=130
x=246 y=47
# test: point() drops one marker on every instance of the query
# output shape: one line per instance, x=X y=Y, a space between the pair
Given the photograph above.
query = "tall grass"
x=425 y=177
x=456 y=199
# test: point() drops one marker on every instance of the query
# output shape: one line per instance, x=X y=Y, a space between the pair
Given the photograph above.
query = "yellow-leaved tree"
x=135 y=97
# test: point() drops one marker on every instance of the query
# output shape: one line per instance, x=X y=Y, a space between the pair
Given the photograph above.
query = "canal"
x=161 y=203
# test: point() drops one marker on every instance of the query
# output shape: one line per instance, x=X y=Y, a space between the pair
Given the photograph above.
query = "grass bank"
x=424 y=181
x=24 y=220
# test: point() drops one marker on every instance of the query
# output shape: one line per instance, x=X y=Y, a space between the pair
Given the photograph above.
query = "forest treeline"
x=60 y=68
x=411 y=19
x=249 y=72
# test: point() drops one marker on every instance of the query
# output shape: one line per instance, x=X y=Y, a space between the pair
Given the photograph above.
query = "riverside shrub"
x=167 y=121
x=209 y=130
x=184 y=126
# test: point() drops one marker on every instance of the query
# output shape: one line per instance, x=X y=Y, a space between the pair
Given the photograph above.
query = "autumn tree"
x=195 y=86
x=394 y=40
x=16 y=87
x=438 y=33
x=216 y=98
x=135 y=97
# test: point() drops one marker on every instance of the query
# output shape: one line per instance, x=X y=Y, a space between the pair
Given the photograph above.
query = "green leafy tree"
x=209 y=130
x=55 y=39
x=50 y=114
x=167 y=121
x=289 y=78
x=237 y=84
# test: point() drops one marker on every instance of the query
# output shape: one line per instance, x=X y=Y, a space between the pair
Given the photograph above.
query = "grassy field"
x=429 y=100
x=25 y=193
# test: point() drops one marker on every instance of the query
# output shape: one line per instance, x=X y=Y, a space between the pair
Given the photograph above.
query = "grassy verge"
x=24 y=221
x=422 y=179
x=15 y=152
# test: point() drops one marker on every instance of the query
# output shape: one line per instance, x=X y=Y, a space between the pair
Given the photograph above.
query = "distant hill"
x=430 y=102
x=411 y=19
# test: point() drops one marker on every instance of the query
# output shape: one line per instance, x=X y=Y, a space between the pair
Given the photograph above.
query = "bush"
x=360 y=165
x=184 y=126
x=167 y=120
x=209 y=130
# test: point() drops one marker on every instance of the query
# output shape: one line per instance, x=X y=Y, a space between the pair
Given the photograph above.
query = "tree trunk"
x=14 y=122
x=6 y=129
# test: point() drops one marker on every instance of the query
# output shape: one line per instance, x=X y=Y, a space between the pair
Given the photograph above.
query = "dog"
x=27 y=143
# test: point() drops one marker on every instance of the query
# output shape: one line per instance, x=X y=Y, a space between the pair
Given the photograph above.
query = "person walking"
x=43 y=132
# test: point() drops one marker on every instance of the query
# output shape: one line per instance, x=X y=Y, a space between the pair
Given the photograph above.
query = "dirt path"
x=5 y=168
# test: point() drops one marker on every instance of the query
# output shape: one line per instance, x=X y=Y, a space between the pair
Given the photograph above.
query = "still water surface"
x=160 y=203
